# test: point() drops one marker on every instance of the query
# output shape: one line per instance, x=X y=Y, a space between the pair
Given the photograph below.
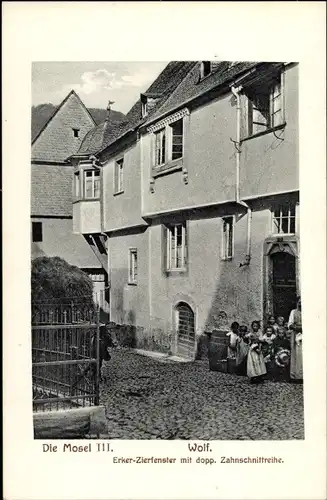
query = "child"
x=281 y=326
x=267 y=341
x=256 y=368
x=272 y=322
x=242 y=349
x=255 y=327
x=269 y=335
x=233 y=335
x=281 y=341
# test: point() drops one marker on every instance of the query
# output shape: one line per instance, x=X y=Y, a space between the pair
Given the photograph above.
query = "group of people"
x=276 y=351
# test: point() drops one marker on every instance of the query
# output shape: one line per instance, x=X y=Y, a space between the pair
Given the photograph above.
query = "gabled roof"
x=72 y=92
x=64 y=132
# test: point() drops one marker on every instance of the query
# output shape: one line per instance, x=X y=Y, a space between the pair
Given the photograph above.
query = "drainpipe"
x=237 y=143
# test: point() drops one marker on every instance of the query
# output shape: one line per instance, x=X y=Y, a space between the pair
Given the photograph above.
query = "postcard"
x=164 y=250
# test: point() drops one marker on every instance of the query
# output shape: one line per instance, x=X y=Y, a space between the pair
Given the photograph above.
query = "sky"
x=95 y=82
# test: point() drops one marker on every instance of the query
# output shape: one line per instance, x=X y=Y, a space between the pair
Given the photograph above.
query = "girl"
x=269 y=336
x=242 y=349
x=267 y=349
x=255 y=327
x=272 y=322
x=256 y=368
x=233 y=335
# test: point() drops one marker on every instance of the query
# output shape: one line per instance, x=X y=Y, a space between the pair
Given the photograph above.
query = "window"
x=76 y=132
x=160 y=147
x=177 y=139
x=205 y=69
x=265 y=106
x=119 y=176
x=132 y=266
x=76 y=185
x=283 y=219
x=144 y=110
x=169 y=143
x=228 y=238
x=92 y=183
x=176 y=247
x=36 y=232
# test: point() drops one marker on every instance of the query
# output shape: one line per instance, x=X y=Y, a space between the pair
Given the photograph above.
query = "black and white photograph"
x=165 y=251
x=164 y=241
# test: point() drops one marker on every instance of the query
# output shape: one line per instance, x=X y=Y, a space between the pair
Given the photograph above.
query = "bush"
x=54 y=280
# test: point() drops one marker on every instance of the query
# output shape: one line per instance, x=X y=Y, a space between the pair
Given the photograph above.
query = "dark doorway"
x=185 y=330
x=283 y=284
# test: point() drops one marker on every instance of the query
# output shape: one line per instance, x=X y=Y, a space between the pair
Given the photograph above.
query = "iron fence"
x=65 y=355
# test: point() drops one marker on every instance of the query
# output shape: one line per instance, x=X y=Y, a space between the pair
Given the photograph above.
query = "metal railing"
x=65 y=355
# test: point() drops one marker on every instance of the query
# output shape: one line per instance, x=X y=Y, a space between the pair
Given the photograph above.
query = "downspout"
x=237 y=143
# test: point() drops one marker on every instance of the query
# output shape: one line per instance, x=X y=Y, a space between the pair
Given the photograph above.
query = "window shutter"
x=116 y=177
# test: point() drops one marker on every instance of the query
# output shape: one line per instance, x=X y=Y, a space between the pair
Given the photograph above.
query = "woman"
x=295 y=326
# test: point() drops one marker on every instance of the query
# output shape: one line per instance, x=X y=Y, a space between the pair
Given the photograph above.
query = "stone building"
x=194 y=201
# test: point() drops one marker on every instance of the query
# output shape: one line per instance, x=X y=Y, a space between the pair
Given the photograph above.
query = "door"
x=283 y=284
x=185 y=331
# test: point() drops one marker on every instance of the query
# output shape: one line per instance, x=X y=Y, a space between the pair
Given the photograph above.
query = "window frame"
x=119 y=167
x=132 y=276
x=144 y=108
x=77 y=186
x=36 y=224
x=168 y=150
x=94 y=174
x=204 y=74
x=289 y=218
x=251 y=94
x=162 y=134
x=225 y=240
x=170 y=260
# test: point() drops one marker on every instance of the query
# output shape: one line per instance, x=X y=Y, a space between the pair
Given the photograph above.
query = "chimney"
x=109 y=109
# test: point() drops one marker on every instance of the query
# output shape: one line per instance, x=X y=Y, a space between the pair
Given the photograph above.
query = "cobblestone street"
x=155 y=398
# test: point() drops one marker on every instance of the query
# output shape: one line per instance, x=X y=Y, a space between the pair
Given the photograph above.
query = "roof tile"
x=51 y=190
x=56 y=140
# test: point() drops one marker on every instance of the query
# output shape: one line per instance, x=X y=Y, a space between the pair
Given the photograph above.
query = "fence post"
x=97 y=376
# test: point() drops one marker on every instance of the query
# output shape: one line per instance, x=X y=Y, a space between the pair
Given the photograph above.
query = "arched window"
x=185 y=330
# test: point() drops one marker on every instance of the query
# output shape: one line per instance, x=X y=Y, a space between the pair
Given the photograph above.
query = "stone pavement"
x=158 y=398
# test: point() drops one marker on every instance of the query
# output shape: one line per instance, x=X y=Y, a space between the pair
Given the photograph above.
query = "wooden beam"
x=70 y=424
